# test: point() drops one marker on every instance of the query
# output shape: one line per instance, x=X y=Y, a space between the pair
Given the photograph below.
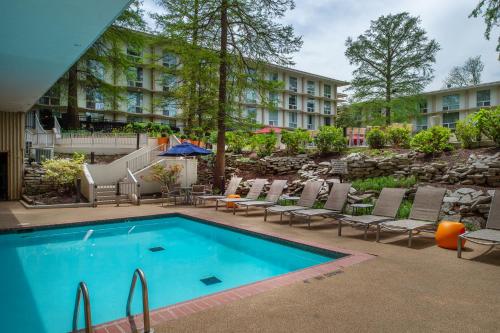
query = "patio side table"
x=361 y=208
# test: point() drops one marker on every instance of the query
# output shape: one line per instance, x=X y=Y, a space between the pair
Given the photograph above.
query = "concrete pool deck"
x=425 y=288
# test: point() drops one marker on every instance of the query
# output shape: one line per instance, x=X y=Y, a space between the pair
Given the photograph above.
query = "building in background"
x=446 y=106
x=307 y=101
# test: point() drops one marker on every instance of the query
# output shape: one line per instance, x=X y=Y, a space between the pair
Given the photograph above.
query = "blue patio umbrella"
x=186 y=149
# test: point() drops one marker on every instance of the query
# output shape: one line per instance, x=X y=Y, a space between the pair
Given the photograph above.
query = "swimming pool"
x=182 y=258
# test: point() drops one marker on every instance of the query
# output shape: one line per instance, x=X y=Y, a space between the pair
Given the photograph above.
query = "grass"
x=378 y=183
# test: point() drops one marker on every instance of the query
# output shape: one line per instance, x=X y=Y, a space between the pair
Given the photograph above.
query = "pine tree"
x=394 y=59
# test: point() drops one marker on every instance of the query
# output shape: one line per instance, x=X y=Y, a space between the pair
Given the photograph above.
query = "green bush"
x=488 y=122
x=330 y=139
x=399 y=137
x=376 y=138
x=264 y=144
x=467 y=132
x=404 y=209
x=432 y=141
x=236 y=141
x=63 y=172
x=378 y=183
x=295 y=141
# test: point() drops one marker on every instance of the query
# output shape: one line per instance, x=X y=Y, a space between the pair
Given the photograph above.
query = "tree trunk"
x=72 y=111
x=220 y=158
x=387 y=106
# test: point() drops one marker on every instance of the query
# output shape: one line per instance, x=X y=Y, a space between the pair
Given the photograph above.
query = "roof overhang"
x=41 y=39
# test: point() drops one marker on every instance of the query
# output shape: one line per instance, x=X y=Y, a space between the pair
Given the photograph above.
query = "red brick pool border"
x=158 y=316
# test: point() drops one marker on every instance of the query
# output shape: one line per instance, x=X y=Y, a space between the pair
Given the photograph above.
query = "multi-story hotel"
x=307 y=100
x=446 y=106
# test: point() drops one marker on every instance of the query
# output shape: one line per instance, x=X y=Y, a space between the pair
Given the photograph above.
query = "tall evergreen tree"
x=244 y=34
x=394 y=59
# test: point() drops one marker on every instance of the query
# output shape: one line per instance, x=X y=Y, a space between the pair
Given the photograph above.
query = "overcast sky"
x=326 y=24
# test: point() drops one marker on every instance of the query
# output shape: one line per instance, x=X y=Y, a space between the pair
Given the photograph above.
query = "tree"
x=243 y=35
x=467 y=74
x=490 y=10
x=394 y=59
x=105 y=52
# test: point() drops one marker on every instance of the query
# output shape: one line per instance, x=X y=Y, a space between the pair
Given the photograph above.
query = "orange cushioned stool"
x=232 y=204
x=447 y=234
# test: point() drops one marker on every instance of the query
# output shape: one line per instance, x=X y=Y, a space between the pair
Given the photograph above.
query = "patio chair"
x=271 y=199
x=386 y=209
x=196 y=191
x=231 y=189
x=252 y=195
x=307 y=200
x=424 y=213
x=489 y=236
x=167 y=193
x=333 y=207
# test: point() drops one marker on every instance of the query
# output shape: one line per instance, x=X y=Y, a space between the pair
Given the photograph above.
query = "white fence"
x=102 y=139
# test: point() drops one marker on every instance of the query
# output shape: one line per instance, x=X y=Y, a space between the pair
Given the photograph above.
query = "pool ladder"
x=83 y=291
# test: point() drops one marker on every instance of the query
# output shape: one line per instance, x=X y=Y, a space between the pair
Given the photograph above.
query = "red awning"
x=268 y=129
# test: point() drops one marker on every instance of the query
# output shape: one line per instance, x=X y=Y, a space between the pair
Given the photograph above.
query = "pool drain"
x=210 y=280
x=156 y=249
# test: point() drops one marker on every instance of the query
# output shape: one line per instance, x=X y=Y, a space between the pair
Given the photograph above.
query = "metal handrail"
x=83 y=291
x=145 y=301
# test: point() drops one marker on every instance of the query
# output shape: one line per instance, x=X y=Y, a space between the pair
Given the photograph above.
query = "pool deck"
x=392 y=289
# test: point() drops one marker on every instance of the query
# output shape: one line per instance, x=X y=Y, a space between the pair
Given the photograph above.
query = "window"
x=328 y=91
x=310 y=123
x=292 y=102
x=251 y=113
x=273 y=77
x=51 y=97
x=292 y=119
x=250 y=96
x=310 y=105
x=168 y=82
x=251 y=75
x=94 y=99
x=450 y=120
x=273 y=118
x=134 y=54
x=135 y=77
x=96 y=69
x=421 y=123
x=169 y=109
x=483 y=98
x=169 y=60
x=451 y=102
x=327 y=107
x=423 y=107
x=292 y=83
x=92 y=117
x=134 y=102
x=311 y=88
x=327 y=121
x=274 y=98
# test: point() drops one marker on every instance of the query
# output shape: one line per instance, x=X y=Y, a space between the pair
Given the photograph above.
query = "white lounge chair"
x=271 y=199
x=253 y=194
x=231 y=189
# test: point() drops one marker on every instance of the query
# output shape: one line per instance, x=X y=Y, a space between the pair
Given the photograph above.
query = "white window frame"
x=293 y=87
x=308 y=107
x=483 y=102
x=292 y=106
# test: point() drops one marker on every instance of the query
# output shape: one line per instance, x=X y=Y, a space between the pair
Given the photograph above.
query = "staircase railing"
x=82 y=291
x=145 y=302
x=131 y=187
x=141 y=161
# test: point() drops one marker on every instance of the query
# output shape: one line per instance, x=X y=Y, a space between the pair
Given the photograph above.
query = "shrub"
x=295 y=141
x=164 y=175
x=264 y=144
x=378 y=183
x=404 y=209
x=376 y=138
x=488 y=122
x=399 y=136
x=63 y=172
x=467 y=132
x=431 y=141
x=330 y=139
x=236 y=141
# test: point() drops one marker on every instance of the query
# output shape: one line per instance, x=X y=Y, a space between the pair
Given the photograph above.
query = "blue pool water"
x=41 y=269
